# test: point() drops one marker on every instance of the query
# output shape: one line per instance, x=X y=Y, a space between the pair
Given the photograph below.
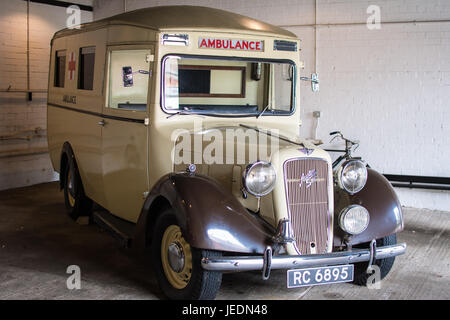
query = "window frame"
x=56 y=73
x=106 y=82
x=245 y=59
x=81 y=68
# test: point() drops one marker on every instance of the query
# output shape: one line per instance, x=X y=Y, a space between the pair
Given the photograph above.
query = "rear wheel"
x=385 y=265
x=178 y=265
x=77 y=204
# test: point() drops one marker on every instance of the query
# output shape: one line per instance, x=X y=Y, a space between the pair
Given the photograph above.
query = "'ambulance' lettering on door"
x=230 y=44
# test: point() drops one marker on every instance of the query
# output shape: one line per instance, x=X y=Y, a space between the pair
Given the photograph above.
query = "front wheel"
x=178 y=266
x=385 y=265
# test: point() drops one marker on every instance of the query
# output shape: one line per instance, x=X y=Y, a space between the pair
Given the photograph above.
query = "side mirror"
x=314 y=81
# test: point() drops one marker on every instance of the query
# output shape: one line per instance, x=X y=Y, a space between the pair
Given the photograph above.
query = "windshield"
x=227 y=86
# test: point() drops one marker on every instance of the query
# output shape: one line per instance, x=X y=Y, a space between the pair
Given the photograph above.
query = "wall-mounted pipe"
x=28 y=92
x=315 y=37
x=419 y=182
x=23 y=91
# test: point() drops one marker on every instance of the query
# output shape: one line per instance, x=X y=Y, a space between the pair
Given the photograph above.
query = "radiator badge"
x=309 y=179
x=306 y=151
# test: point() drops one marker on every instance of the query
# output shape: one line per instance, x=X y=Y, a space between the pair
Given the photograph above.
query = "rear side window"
x=60 y=68
x=86 y=69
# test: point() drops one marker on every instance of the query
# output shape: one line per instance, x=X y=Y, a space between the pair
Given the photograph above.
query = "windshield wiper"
x=178 y=113
x=262 y=112
x=185 y=111
x=272 y=135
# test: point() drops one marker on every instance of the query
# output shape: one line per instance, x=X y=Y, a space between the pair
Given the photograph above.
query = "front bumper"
x=249 y=263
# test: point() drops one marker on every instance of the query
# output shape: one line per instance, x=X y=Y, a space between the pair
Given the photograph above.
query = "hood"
x=223 y=153
x=238 y=145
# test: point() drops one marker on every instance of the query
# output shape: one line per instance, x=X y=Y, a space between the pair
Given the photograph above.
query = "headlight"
x=352 y=176
x=354 y=219
x=259 y=178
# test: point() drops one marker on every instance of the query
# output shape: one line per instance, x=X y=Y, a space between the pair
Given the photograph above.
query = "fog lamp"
x=354 y=219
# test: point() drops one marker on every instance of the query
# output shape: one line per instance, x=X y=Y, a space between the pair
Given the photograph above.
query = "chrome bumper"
x=299 y=262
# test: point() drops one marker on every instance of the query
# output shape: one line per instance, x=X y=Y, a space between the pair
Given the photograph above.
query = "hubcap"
x=176 y=257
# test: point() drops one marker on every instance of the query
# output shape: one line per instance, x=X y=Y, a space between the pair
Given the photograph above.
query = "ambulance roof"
x=188 y=18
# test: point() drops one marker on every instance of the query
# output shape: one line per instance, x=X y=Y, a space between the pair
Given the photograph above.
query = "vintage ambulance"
x=177 y=129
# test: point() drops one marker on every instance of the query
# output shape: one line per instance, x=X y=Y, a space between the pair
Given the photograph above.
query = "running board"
x=120 y=229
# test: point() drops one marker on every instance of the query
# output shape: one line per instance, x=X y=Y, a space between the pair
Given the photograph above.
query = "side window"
x=128 y=79
x=282 y=82
x=86 y=68
x=60 y=68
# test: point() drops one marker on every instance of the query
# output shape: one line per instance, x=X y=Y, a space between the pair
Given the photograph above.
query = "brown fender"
x=210 y=217
x=379 y=198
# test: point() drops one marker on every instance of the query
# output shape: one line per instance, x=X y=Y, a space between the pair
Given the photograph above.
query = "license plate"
x=317 y=276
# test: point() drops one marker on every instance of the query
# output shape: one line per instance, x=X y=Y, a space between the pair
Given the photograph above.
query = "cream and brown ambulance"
x=177 y=129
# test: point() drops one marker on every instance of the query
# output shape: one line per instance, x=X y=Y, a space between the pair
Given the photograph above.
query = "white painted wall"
x=389 y=88
x=26 y=162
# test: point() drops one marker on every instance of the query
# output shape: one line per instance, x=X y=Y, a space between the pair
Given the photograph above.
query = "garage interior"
x=386 y=85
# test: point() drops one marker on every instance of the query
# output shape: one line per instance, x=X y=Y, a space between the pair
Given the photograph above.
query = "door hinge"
x=146 y=121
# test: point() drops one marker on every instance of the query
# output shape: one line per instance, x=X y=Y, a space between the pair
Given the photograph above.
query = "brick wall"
x=23 y=142
x=389 y=88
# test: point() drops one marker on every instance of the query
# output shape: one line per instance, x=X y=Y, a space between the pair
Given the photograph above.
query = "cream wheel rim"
x=176 y=257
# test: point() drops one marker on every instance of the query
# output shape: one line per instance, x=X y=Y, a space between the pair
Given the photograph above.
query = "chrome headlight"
x=259 y=178
x=354 y=219
x=352 y=176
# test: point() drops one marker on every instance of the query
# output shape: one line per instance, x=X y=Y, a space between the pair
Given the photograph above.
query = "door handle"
x=101 y=123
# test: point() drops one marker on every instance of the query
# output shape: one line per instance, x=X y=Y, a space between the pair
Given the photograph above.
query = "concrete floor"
x=38 y=242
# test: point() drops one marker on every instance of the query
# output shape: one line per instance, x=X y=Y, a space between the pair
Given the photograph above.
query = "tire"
x=77 y=204
x=385 y=265
x=190 y=281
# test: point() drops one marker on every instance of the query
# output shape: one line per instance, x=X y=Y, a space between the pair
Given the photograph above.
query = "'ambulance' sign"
x=231 y=44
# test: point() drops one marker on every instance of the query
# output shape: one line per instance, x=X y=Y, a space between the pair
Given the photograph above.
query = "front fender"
x=209 y=216
x=380 y=199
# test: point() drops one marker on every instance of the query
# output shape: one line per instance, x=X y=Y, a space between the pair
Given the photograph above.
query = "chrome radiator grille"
x=306 y=183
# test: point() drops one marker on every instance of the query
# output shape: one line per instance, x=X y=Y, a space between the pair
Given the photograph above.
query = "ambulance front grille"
x=306 y=186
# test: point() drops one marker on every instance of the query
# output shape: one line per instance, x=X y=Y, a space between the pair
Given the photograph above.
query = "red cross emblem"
x=72 y=66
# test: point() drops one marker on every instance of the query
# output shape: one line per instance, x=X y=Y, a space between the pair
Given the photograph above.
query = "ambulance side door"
x=125 y=129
